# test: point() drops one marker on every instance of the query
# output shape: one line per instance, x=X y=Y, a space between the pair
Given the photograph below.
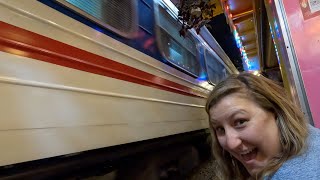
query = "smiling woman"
x=246 y=131
x=257 y=132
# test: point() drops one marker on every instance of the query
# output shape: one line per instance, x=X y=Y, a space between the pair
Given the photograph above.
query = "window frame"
x=160 y=44
x=218 y=60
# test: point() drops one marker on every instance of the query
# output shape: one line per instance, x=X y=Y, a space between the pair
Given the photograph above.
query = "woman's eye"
x=240 y=122
x=219 y=130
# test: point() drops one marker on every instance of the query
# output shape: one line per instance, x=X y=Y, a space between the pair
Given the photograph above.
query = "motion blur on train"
x=88 y=83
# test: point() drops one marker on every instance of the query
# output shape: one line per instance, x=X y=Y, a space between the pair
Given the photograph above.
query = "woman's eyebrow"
x=228 y=116
x=213 y=121
x=240 y=111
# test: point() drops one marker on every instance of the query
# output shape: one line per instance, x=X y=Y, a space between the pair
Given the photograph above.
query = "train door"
x=296 y=30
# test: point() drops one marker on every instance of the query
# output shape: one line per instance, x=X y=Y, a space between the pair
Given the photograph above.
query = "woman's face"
x=246 y=131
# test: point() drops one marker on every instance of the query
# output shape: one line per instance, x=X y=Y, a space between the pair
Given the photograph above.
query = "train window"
x=215 y=70
x=179 y=51
x=119 y=16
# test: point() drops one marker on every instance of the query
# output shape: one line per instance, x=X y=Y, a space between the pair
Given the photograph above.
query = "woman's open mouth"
x=249 y=154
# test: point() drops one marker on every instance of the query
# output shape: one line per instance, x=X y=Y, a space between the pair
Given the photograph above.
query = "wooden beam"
x=246 y=43
x=250 y=31
x=243 y=14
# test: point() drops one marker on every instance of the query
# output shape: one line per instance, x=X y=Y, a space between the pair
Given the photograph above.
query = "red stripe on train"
x=21 y=42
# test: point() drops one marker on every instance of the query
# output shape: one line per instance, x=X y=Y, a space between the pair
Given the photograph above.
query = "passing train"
x=80 y=75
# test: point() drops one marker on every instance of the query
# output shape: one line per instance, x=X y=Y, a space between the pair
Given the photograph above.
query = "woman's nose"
x=233 y=140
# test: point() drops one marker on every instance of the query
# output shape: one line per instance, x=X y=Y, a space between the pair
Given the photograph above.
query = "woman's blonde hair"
x=271 y=97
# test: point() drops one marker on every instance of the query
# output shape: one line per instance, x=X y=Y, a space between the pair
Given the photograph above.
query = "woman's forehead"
x=230 y=99
x=229 y=113
x=231 y=105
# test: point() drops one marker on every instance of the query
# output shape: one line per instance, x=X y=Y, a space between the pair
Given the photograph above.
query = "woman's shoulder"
x=314 y=140
x=314 y=133
x=305 y=165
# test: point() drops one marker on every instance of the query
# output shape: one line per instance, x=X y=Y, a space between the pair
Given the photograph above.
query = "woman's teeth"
x=249 y=154
x=246 y=152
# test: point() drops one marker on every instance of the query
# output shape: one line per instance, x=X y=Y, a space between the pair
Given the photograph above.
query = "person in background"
x=258 y=133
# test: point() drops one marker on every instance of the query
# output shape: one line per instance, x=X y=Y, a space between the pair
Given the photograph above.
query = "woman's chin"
x=253 y=171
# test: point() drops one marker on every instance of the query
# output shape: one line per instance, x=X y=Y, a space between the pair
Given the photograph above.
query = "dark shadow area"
x=220 y=30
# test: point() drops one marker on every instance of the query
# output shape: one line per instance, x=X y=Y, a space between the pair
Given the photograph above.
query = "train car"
x=80 y=75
